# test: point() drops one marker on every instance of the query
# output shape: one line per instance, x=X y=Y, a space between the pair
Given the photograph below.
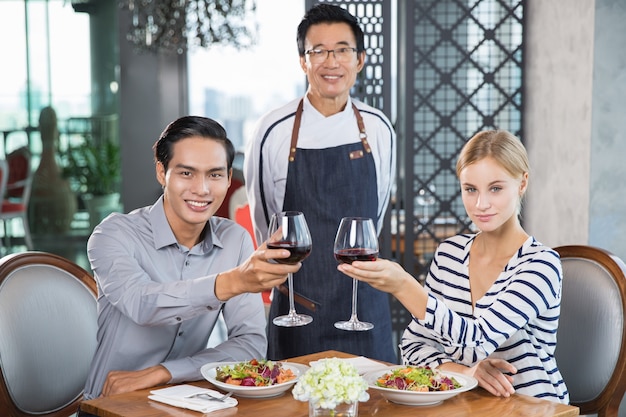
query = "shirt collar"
x=307 y=107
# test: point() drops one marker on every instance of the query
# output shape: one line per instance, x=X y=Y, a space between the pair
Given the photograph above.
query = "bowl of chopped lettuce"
x=256 y=378
x=418 y=385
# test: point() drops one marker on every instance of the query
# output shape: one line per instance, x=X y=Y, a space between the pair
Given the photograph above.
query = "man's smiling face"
x=195 y=183
x=331 y=78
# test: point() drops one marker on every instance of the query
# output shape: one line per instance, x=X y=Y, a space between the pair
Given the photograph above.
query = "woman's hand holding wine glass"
x=289 y=230
x=392 y=278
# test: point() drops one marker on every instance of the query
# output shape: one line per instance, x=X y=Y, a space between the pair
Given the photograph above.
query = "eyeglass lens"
x=340 y=54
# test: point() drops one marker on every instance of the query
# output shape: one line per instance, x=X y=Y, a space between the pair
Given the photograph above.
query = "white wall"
x=557 y=124
x=575 y=123
x=608 y=130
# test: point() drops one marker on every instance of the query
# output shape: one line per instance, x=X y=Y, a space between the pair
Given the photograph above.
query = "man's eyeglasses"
x=317 y=56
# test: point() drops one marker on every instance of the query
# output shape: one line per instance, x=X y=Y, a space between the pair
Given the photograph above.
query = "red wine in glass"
x=347 y=256
x=298 y=252
x=356 y=240
x=289 y=230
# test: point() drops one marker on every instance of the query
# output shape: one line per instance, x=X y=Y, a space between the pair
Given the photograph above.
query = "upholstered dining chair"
x=591 y=339
x=17 y=192
x=48 y=325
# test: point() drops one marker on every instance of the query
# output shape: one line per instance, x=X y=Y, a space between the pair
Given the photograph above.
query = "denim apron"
x=326 y=185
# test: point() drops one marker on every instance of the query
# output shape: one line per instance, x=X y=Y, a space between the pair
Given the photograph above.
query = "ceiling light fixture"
x=178 y=25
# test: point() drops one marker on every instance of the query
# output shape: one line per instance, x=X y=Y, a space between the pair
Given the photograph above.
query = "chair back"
x=48 y=325
x=591 y=342
x=19 y=180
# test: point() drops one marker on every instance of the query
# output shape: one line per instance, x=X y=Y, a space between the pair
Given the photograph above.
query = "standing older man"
x=329 y=156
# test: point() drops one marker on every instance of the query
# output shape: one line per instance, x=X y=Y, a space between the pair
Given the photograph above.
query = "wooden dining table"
x=476 y=402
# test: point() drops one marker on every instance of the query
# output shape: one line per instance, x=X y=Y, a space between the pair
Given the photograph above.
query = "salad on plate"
x=254 y=373
x=418 y=379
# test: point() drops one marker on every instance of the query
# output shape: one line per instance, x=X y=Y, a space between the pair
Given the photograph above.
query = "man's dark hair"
x=190 y=126
x=328 y=13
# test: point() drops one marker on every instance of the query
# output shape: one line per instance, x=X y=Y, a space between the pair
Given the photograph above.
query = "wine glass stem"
x=354 y=292
x=292 y=307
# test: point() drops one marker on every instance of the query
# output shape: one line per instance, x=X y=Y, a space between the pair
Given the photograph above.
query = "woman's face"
x=491 y=196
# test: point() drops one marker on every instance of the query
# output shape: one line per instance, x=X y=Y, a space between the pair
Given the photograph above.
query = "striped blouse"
x=515 y=320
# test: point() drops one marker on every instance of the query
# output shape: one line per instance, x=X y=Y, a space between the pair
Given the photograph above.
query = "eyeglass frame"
x=319 y=52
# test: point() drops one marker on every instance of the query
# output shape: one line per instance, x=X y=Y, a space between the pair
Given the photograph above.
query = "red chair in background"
x=16 y=193
x=243 y=217
x=235 y=184
x=4 y=173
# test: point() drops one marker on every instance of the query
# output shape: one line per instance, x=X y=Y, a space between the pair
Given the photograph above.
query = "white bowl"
x=209 y=372
x=419 y=398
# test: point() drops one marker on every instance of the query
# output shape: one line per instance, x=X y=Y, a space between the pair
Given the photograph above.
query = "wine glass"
x=356 y=240
x=426 y=198
x=289 y=230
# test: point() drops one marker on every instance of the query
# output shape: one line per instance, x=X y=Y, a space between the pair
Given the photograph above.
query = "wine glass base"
x=293 y=320
x=352 y=325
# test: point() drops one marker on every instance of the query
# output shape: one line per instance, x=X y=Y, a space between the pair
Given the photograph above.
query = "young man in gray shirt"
x=166 y=271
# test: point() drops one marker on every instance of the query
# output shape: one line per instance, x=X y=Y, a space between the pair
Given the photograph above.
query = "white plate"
x=208 y=372
x=419 y=398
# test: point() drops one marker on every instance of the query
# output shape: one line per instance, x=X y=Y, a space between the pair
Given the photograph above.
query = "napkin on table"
x=178 y=396
x=362 y=364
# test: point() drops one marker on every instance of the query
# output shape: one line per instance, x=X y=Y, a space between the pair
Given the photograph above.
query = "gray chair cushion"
x=590 y=328
x=48 y=325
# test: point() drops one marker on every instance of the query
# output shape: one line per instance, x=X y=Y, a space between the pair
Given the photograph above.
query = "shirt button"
x=178 y=319
x=186 y=263
x=181 y=333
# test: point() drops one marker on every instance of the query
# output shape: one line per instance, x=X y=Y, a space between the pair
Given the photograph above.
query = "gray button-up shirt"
x=156 y=298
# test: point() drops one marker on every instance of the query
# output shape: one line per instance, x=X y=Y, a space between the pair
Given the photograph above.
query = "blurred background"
x=86 y=87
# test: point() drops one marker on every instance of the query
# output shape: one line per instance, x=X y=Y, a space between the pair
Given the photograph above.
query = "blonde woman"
x=491 y=301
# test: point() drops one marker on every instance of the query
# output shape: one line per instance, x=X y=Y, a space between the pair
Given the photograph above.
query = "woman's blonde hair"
x=504 y=147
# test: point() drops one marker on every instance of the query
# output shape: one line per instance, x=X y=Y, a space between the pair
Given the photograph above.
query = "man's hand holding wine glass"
x=262 y=271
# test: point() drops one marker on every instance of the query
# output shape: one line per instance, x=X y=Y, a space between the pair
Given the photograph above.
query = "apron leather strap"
x=362 y=134
x=296 y=130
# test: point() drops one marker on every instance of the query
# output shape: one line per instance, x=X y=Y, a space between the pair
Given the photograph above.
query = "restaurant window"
x=237 y=86
x=49 y=64
x=50 y=48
